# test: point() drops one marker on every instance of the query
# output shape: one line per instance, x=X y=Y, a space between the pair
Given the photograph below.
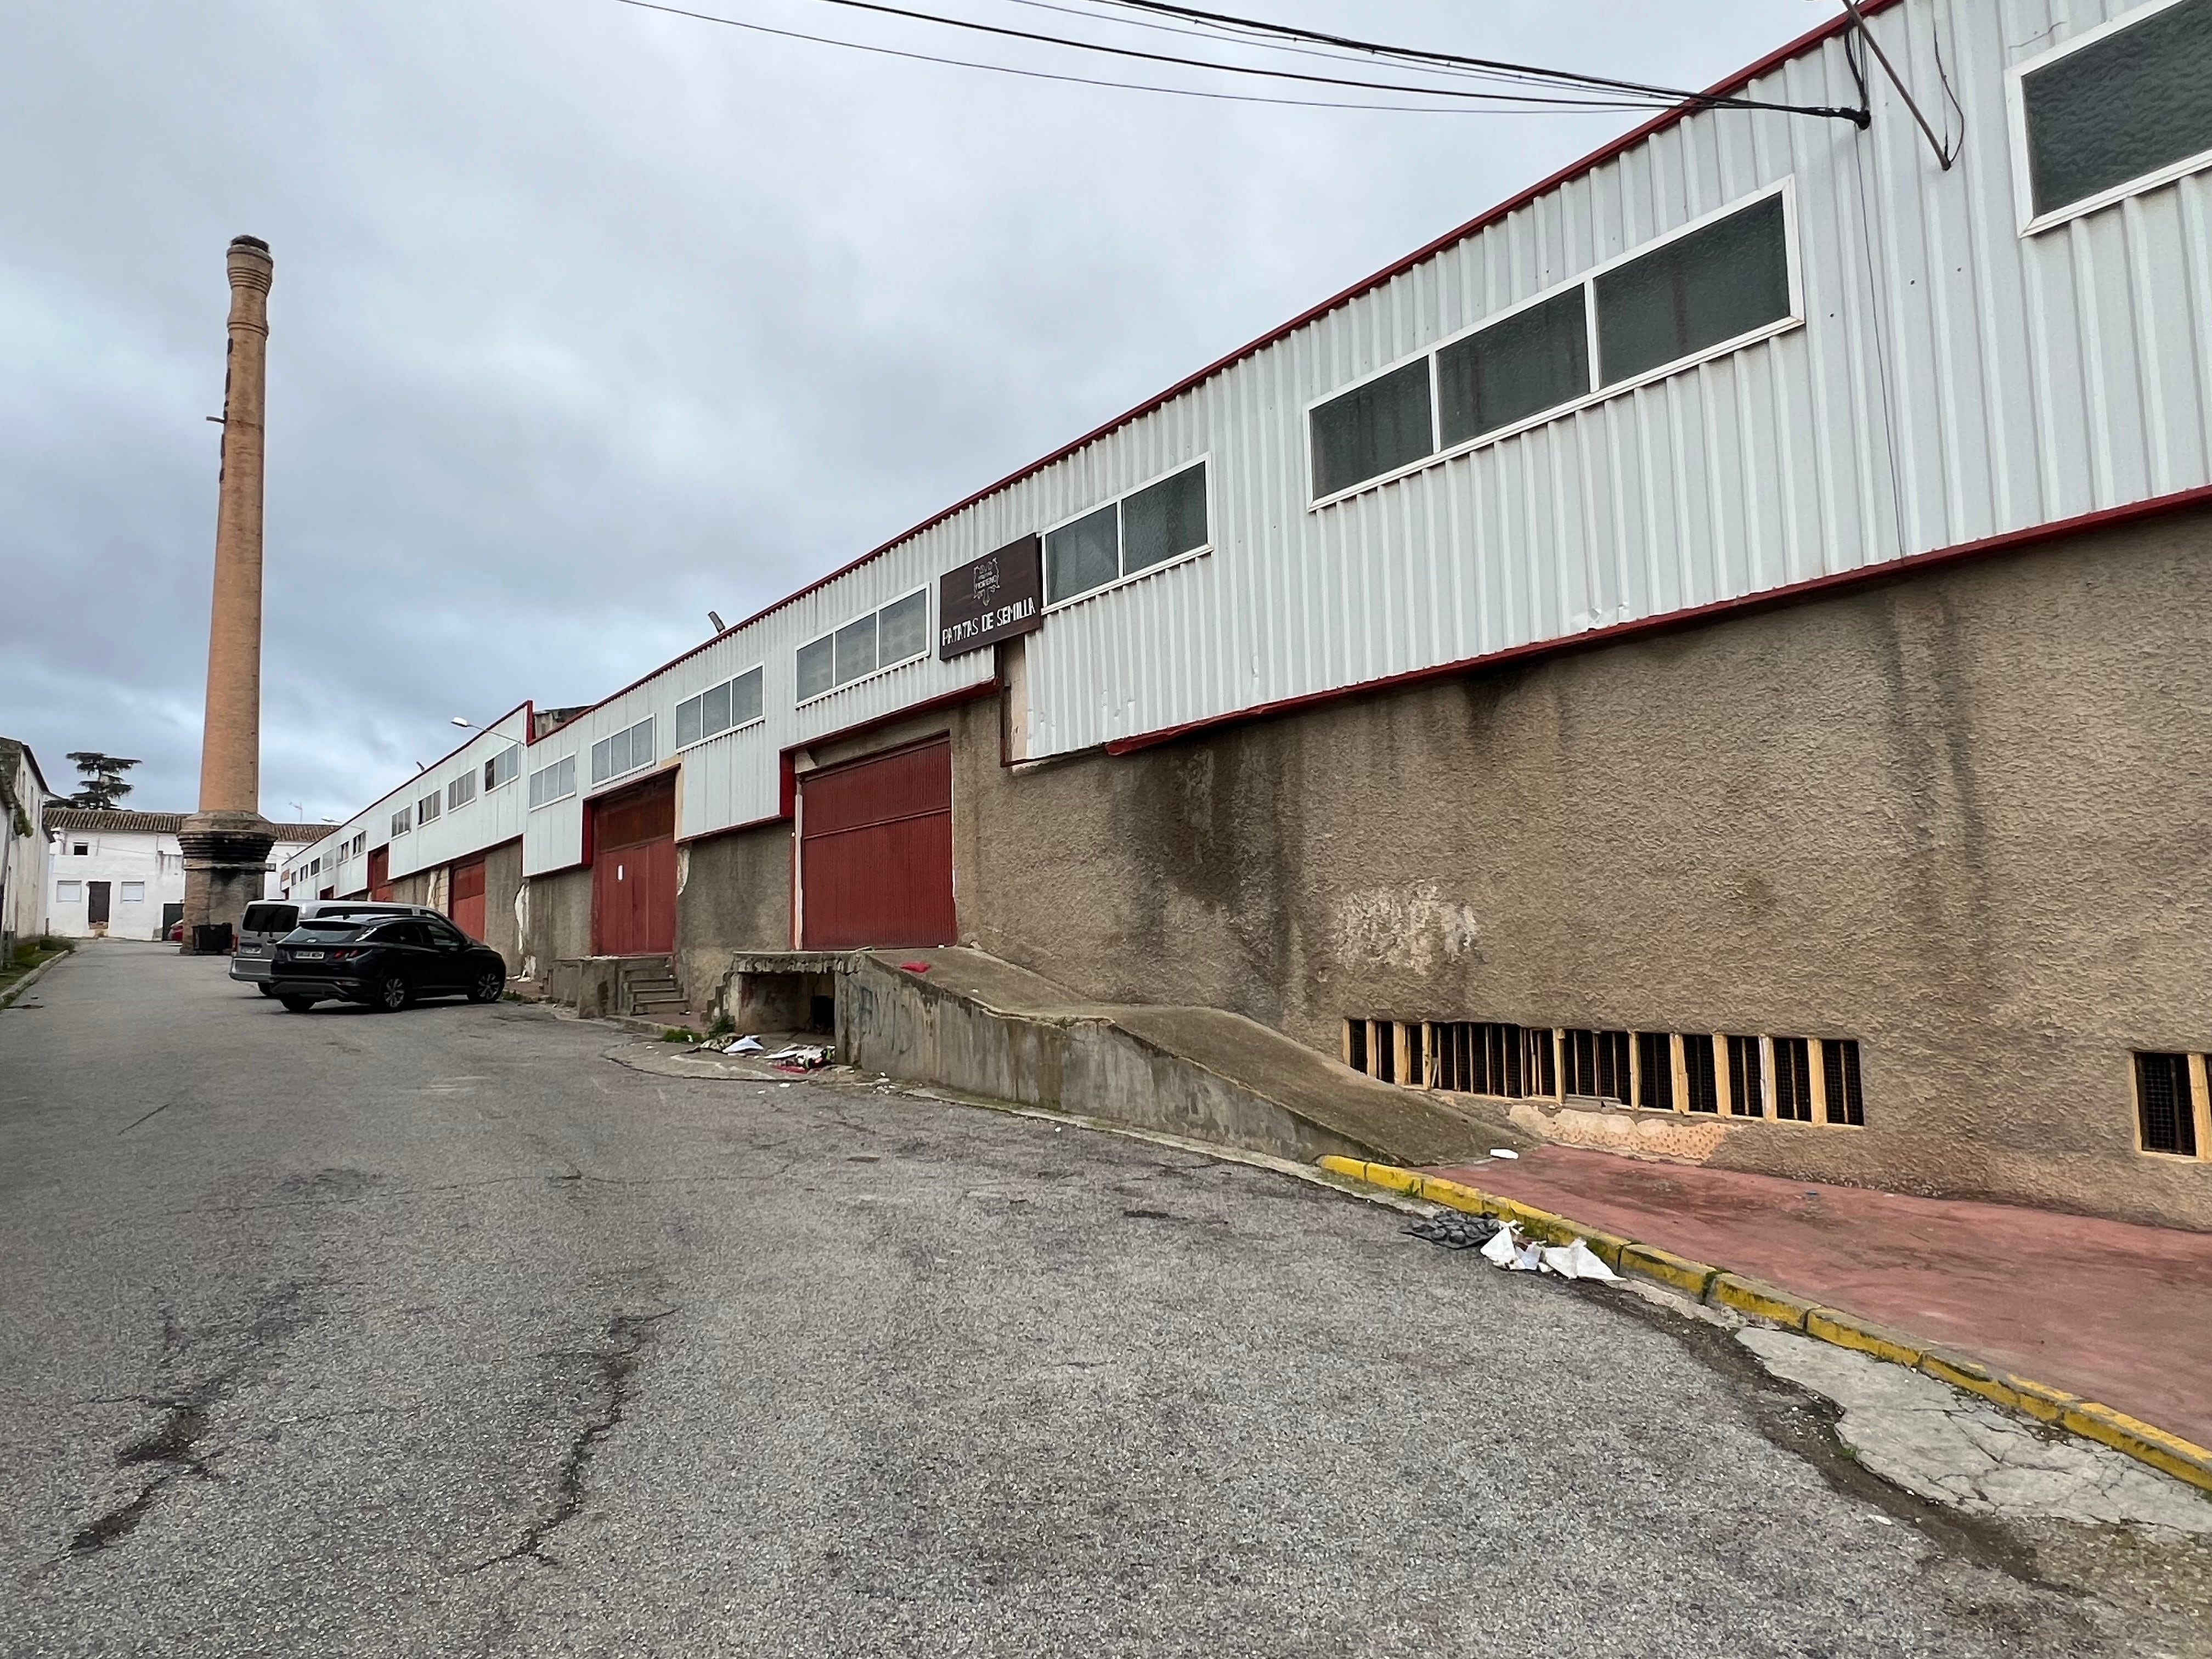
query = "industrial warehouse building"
x=1704 y=659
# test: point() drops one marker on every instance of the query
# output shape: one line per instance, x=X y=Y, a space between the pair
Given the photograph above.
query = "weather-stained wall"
x=735 y=895
x=1957 y=817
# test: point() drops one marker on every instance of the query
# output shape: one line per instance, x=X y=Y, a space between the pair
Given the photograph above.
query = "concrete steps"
x=978 y=1025
x=649 y=988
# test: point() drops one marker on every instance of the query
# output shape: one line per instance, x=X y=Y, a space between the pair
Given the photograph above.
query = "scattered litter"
x=799 y=1056
x=915 y=967
x=1455 y=1231
x=783 y=1086
x=1504 y=1151
x=1502 y=1251
x=1578 y=1261
x=745 y=1045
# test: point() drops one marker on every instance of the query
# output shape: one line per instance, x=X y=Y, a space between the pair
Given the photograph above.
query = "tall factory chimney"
x=226 y=843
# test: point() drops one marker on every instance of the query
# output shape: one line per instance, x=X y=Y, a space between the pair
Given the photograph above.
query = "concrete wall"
x=1960 y=817
x=560 y=917
x=502 y=881
x=734 y=895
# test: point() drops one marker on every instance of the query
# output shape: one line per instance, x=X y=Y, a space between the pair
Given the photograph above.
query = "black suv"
x=385 y=963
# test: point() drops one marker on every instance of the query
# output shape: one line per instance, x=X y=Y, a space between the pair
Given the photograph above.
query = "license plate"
x=308 y=956
x=252 y=950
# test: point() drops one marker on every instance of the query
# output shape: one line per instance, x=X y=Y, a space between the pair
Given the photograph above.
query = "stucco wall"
x=1960 y=818
x=560 y=917
x=502 y=880
x=735 y=896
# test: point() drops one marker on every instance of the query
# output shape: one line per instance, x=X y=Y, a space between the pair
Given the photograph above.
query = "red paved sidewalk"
x=2112 y=1312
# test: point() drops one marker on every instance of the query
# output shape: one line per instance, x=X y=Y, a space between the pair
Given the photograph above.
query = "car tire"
x=390 y=994
x=488 y=985
x=266 y=990
x=296 y=1004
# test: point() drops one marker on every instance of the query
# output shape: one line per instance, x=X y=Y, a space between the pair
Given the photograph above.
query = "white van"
x=269 y=920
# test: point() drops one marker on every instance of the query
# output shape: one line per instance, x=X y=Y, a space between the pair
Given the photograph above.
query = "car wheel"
x=488 y=987
x=266 y=990
x=390 y=994
x=296 y=1004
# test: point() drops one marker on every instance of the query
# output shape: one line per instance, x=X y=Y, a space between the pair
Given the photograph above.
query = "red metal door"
x=875 y=852
x=464 y=901
x=379 y=875
x=634 y=872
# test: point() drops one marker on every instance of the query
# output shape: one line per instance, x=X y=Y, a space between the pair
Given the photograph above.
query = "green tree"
x=103 y=788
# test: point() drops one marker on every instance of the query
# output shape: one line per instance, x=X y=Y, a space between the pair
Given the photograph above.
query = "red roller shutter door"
x=875 y=851
x=634 y=872
x=465 y=902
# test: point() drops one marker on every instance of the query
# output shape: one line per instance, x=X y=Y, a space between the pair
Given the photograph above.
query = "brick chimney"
x=226 y=843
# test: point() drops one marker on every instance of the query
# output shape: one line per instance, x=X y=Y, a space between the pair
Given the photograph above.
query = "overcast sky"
x=586 y=319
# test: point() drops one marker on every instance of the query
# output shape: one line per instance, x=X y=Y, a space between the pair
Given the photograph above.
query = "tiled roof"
x=124 y=822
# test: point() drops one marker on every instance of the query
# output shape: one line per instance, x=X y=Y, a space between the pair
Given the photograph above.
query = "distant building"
x=121 y=875
x=23 y=799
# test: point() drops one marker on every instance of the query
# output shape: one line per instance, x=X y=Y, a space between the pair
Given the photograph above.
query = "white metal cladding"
x=1953 y=380
x=460 y=832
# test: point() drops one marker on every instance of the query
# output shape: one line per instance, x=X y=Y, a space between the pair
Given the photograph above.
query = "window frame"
x=2023 y=183
x=435 y=801
x=1204 y=458
x=760 y=719
x=399 y=829
x=464 y=781
x=1785 y=187
x=928 y=648
x=61 y=897
x=514 y=749
x=652 y=760
x=567 y=794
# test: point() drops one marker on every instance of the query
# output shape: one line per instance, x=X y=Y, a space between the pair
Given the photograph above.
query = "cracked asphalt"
x=448 y=1333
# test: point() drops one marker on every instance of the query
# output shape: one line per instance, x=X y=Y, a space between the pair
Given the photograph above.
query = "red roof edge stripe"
x=1804 y=43
x=527 y=709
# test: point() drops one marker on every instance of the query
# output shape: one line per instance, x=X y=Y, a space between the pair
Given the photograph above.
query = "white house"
x=121 y=874
x=23 y=797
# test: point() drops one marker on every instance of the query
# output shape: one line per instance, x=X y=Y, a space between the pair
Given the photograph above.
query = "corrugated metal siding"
x=458 y=831
x=1951 y=381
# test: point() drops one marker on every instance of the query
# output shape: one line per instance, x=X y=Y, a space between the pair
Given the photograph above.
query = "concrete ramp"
x=973 y=1024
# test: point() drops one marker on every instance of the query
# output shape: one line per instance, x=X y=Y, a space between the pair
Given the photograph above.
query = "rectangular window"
x=856 y=649
x=502 y=767
x=556 y=782
x=2164 y=1105
x=134 y=892
x=429 y=807
x=625 y=751
x=1084 y=554
x=1793 y=1080
x=1597 y=1064
x=1696 y=292
x=2126 y=107
x=719 y=708
x=816 y=669
x=1699 y=1076
x=1374 y=428
x=68 y=892
x=360 y=842
x=904 y=629
x=402 y=822
x=897 y=634
x=1654 y=1071
x=1839 y=1079
x=462 y=790
x=315 y=867
x=1746 y=1078
x=1536 y=359
x=1165 y=520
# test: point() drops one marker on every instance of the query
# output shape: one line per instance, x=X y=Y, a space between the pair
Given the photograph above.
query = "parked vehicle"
x=270 y=920
x=385 y=963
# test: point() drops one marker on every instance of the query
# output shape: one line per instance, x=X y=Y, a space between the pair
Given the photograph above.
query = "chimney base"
x=226 y=868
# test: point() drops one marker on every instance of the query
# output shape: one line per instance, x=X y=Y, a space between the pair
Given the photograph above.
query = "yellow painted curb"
x=2147 y=1444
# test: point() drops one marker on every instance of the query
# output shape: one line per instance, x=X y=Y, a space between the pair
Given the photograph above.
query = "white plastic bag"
x=1578 y=1261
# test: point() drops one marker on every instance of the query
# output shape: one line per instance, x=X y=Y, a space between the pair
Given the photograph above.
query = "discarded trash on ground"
x=1573 y=1260
x=799 y=1056
x=745 y=1045
x=914 y=966
x=1504 y=1151
x=1455 y=1231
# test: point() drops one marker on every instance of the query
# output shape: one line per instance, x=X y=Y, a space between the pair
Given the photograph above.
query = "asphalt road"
x=447 y=1332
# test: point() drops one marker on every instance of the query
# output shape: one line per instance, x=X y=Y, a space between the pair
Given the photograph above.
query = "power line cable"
x=1094 y=80
x=1537 y=72
x=1005 y=32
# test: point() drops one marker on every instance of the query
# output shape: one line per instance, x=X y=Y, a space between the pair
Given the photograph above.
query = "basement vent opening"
x=2169 y=1099
x=1797 y=1079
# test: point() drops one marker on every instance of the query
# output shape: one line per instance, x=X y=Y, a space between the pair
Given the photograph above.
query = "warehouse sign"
x=994 y=598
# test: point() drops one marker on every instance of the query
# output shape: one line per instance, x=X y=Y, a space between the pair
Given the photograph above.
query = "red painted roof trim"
x=526 y=707
x=1804 y=43
x=1773 y=598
